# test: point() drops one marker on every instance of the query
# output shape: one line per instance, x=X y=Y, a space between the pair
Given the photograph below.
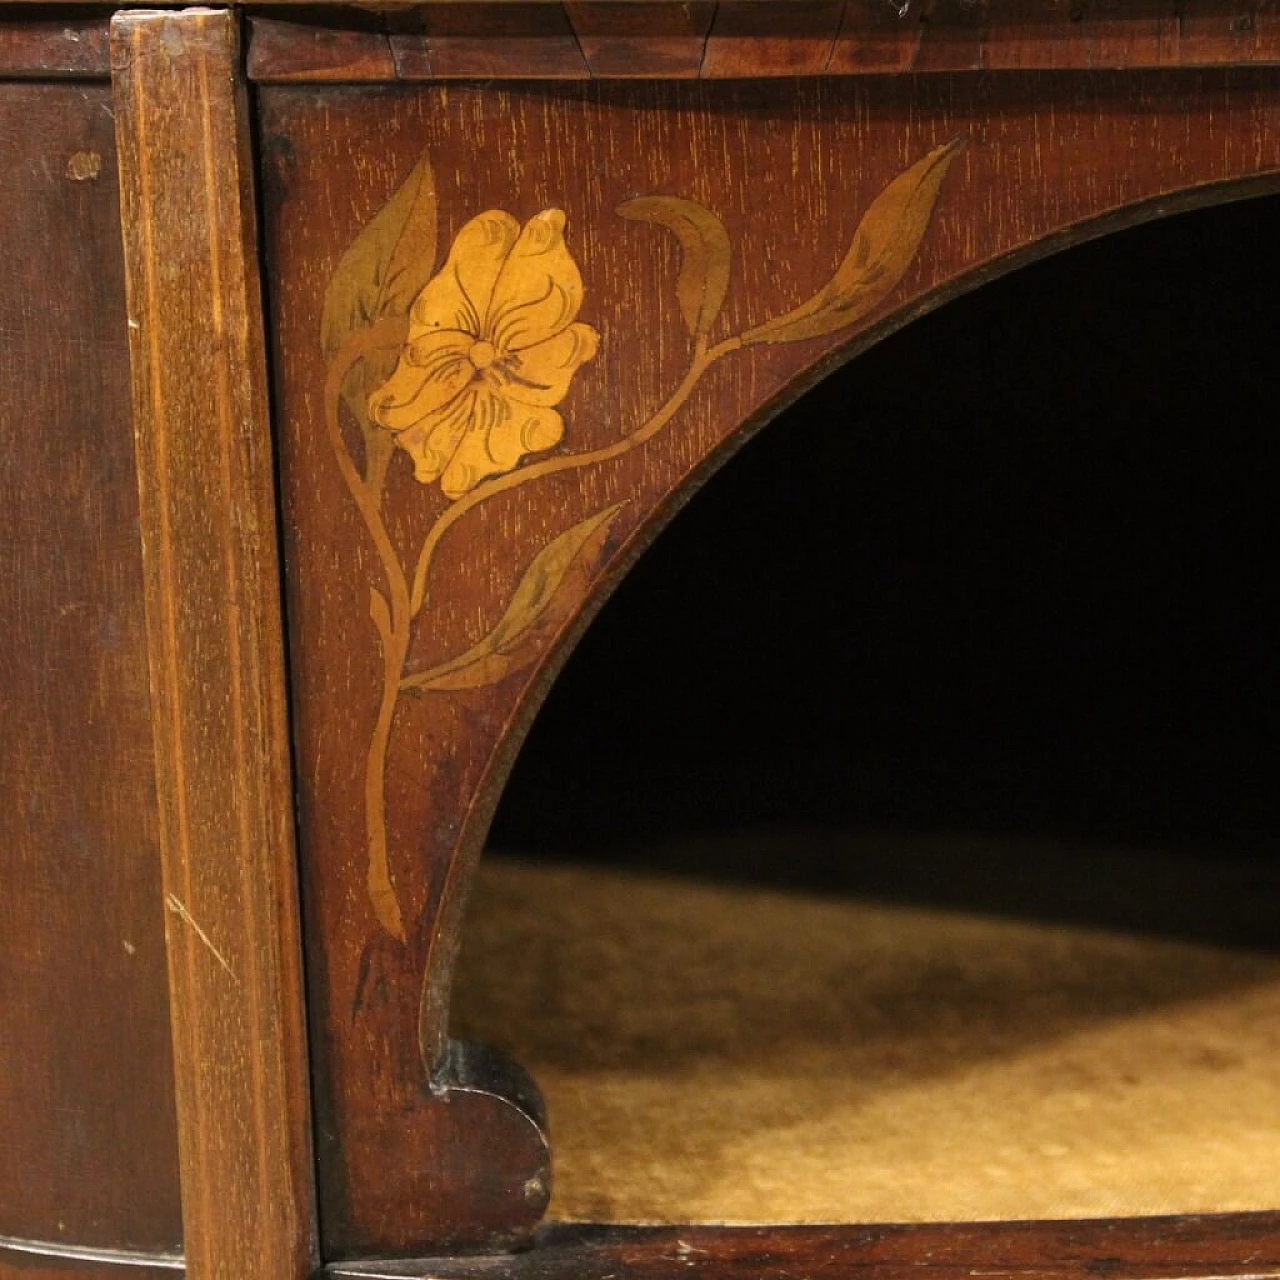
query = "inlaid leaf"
x=704 y=254
x=547 y=594
x=380 y=275
x=386 y=265
x=883 y=247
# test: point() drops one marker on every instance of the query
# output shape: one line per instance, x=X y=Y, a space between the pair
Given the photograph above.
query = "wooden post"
x=215 y=644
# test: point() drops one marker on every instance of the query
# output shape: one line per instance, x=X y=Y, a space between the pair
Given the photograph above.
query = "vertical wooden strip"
x=215 y=645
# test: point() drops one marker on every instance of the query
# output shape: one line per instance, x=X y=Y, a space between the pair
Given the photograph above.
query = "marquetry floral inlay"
x=462 y=366
x=491 y=349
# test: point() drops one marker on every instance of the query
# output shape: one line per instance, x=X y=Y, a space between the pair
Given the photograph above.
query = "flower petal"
x=539 y=289
x=432 y=442
x=458 y=296
x=430 y=372
x=540 y=374
x=501 y=433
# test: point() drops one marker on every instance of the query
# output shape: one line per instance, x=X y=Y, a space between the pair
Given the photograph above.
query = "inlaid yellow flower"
x=491 y=349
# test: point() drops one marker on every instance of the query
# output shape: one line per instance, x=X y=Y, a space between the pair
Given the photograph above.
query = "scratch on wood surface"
x=176 y=906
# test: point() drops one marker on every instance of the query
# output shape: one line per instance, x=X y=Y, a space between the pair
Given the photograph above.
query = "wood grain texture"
x=23 y=1260
x=1155 y=1248
x=1049 y=159
x=88 y=1140
x=521 y=41
x=215 y=648
x=281 y=49
x=73 y=47
x=641 y=39
x=603 y=39
x=749 y=40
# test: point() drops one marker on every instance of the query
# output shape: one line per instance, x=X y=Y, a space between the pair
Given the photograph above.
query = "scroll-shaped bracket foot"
x=477 y=1170
x=510 y=1183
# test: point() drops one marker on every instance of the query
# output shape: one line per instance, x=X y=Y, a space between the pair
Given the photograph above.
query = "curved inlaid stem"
x=379 y=337
x=395 y=648
x=392 y=620
x=703 y=359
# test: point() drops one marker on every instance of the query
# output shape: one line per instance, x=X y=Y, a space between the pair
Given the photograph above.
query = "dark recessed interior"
x=898 y=844
x=1019 y=583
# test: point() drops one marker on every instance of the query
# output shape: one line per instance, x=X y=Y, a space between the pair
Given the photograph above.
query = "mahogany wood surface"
x=208 y=524
x=25 y=1261
x=1244 y=1245
x=70 y=46
x=448 y=535
x=604 y=39
x=88 y=1145
x=937 y=182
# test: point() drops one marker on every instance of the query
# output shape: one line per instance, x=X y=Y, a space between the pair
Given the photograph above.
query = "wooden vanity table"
x=350 y=356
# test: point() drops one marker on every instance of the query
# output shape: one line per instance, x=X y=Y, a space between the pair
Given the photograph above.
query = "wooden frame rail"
x=206 y=483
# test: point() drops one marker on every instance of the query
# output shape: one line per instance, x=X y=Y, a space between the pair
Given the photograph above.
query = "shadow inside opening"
x=899 y=843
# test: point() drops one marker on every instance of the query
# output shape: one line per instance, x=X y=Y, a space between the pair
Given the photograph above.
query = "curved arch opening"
x=899 y=842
